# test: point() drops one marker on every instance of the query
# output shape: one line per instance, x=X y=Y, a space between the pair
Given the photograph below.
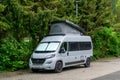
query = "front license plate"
x=37 y=66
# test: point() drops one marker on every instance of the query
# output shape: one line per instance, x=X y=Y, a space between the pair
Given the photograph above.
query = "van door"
x=64 y=53
x=73 y=53
x=69 y=53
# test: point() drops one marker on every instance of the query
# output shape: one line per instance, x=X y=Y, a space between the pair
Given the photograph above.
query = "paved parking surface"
x=112 y=76
x=97 y=69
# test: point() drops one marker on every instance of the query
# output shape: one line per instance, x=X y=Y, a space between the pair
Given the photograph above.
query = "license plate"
x=37 y=66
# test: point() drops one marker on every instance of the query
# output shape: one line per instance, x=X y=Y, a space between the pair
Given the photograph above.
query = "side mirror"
x=62 y=50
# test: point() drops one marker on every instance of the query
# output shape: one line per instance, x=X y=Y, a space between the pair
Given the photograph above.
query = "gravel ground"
x=97 y=69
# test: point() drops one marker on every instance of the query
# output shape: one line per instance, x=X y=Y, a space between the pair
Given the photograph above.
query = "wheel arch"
x=57 y=68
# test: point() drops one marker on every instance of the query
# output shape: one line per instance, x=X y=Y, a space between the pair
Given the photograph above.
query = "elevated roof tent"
x=65 y=27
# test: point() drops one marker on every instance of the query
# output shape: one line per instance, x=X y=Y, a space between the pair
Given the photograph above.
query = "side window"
x=63 y=47
x=73 y=46
x=76 y=46
x=85 y=45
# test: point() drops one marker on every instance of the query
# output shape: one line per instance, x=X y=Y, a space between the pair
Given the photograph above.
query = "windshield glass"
x=47 y=47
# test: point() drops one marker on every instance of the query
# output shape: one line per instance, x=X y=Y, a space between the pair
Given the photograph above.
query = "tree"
x=94 y=14
x=31 y=19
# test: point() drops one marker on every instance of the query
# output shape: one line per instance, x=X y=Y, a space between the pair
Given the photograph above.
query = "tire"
x=58 y=67
x=35 y=70
x=88 y=61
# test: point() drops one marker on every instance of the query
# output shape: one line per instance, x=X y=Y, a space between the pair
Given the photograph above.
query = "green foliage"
x=106 y=43
x=94 y=14
x=20 y=19
x=4 y=26
x=13 y=54
x=2 y=8
x=118 y=10
x=117 y=27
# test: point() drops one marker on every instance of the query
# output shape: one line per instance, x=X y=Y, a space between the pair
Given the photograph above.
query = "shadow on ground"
x=52 y=72
x=28 y=71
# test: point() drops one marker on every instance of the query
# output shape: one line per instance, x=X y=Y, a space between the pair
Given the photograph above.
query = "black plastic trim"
x=75 y=62
x=56 y=35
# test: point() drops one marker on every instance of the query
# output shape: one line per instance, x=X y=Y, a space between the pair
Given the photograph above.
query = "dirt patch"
x=10 y=74
x=107 y=59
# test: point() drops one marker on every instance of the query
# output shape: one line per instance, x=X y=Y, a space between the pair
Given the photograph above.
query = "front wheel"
x=88 y=61
x=58 y=67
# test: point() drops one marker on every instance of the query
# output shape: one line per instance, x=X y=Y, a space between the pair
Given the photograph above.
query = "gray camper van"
x=66 y=45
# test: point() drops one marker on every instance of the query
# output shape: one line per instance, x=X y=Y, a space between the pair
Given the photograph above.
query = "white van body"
x=49 y=54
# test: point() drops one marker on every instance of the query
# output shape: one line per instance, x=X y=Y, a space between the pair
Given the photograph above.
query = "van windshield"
x=47 y=47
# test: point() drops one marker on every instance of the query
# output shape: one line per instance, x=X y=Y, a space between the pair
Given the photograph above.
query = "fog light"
x=48 y=62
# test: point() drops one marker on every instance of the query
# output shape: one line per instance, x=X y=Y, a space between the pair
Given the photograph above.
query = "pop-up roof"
x=65 y=27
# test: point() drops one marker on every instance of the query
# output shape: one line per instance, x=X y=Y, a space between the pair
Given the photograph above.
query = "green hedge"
x=14 y=54
x=106 y=43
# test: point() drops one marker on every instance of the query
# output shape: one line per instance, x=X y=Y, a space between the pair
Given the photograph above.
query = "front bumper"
x=47 y=65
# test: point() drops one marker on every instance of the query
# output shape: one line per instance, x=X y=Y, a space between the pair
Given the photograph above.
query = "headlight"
x=48 y=62
x=50 y=56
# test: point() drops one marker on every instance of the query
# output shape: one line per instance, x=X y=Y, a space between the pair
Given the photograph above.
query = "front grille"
x=37 y=61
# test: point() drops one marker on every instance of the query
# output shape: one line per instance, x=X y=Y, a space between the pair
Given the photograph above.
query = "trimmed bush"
x=14 y=54
x=106 y=43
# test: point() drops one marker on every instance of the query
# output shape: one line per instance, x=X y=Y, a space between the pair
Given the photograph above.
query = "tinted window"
x=75 y=46
x=85 y=45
